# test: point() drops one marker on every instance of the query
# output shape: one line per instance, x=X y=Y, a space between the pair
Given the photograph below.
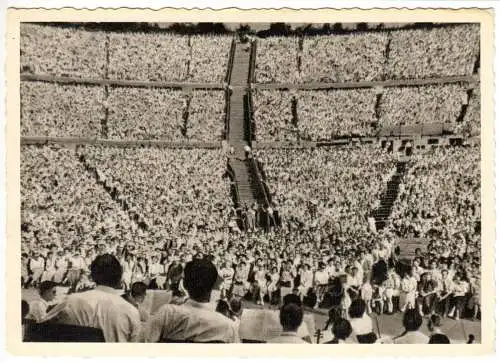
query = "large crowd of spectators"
x=276 y=60
x=156 y=56
x=179 y=193
x=61 y=110
x=321 y=249
x=324 y=189
x=323 y=115
x=123 y=113
x=145 y=113
x=370 y=56
x=343 y=58
x=206 y=115
x=448 y=51
x=272 y=116
x=62 y=204
x=421 y=105
x=440 y=198
x=326 y=115
x=61 y=51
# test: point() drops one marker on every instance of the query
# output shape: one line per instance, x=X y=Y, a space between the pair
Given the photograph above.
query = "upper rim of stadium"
x=92 y=51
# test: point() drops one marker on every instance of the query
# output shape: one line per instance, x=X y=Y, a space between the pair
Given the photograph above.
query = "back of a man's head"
x=46 y=286
x=291 y=316
x=106 y=270
x=342 y=329
x=200 y=277
x=138 y=290
x=439 y=339
x=357 y=309
x=412 y=320
x=292 y=299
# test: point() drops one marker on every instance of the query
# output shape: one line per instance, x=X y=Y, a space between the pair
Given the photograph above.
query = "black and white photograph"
x=251 y=182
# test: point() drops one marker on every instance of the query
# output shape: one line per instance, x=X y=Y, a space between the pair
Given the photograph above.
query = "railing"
x=235 y=195
x=251 y=68
x=231 y=61
x=34 y=140
x=227 y=118
x=471 y=80
x=119 y=83
x=249 y=124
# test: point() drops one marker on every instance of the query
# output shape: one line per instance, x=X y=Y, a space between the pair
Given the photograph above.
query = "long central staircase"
x=245 y=172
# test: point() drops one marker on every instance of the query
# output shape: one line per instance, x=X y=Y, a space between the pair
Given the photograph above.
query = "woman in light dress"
x=61 y=266
x=260 y=282
x=408 y=293
x=272 y=285
x=128 y=265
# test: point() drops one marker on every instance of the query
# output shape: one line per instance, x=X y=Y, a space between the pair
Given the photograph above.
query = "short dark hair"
x=291 y=316
x=200 y=277
x=439 y=339
x=342 y=329
x=106 y=270
x=292 y=299
x=46 y=286
x=357 y=309
x=138 y=289
x=412 y=320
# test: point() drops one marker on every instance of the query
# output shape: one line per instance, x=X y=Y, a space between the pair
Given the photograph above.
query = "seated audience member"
x=39 y=308
x=196 y=320
x=136 y=297
x=412 y=321
x=360 y=321
x=341 y=330
x=103 y=307
x=291 y=315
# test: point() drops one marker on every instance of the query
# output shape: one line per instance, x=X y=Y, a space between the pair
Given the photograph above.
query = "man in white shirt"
x=103 y=308
x=291 y=316
x=38 y=307
x=196 y=320
x=412 y=321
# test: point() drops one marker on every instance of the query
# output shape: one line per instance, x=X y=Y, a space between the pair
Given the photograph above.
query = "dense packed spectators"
x=179 y=193
x=146 y=113
x=421 y=105
x=62 y=51
x=344 y=58
x=58 y=110
x=148 y=56
x=205 y=121
x=440 y=195
x=370 y=56
x=322 y=115
x=438 y=52
x=276 y=60
x=80 y=53
x=324 y=188
x=209 y=58
x=62 y=205
x=272 y=116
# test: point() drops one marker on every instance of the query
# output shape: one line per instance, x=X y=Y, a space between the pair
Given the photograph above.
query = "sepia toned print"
x=258 y=182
